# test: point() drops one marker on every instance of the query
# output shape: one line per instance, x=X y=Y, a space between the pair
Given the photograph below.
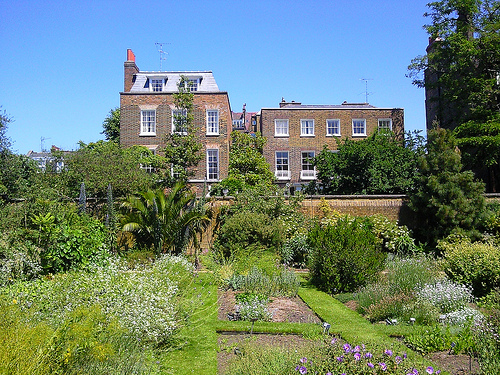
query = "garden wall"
x=393 y=207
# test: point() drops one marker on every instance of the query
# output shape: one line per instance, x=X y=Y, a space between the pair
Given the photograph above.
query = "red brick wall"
x=130 y=122
x=295 y=143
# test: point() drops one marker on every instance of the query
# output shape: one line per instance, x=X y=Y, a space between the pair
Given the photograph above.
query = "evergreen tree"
x=447 y=199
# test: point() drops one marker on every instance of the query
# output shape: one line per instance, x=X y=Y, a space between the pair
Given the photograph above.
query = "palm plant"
x=165 y=222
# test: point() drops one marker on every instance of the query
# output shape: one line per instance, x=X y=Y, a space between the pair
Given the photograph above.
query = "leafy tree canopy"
x=16 y=171
x=380 y=164
x=102 y=163
x=248 y=167
x=111 y=126
x=464 y=59
x=182 y=150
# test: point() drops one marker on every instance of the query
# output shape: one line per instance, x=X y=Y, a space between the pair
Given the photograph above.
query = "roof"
x=345 y=105
x=206 y=81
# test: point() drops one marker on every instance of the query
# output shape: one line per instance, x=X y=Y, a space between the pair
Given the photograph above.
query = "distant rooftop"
x=344 y=105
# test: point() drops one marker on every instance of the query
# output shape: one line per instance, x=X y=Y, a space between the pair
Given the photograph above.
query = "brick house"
x=147 y=110
x=296 y=133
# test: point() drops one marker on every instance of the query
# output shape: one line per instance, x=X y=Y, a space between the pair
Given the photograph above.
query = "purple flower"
x=303 y=360
x=334 y=341
x=302 y=370
x=429 y=370
x=388 y=352
x=297 y=368
x=357 y=356
x=368 y=355
x=340 y=359
x=398 y=359
x=347 y=348
x=357 y=349
x=383 y=366
x=371 y=365
x=328 y=373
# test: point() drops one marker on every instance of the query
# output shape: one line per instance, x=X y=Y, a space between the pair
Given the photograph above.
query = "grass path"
x=197 y=353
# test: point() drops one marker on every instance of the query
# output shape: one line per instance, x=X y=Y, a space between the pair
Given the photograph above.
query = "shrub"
x=395 y=239
x=405 y=274
x=253 y=307
x=85 y=342
x=247 y=230
x=18 y=261
x=487 y=336
x=344 y=256
x=446 y=295
x=438 y=338
x=476 y=264
x=282 y=283
x=295 y=251
x=462 y=316
x=389 y=307
x=144 y=302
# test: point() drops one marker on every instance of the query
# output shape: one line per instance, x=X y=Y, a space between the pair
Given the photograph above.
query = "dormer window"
x=156 y=84
x=192 y=84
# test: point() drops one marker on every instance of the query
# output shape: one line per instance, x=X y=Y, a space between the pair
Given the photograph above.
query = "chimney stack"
x=130 y=71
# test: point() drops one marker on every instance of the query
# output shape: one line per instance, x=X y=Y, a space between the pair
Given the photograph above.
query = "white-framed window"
x=213 y=164
x=307 y=171
x=156 y=85
x=238 y=124
x=333 y=128
x=385 y=124
x=307 y=128
x=358 y=127
x=179 y=119
x=148 y=167
x=280 y=128
x=192 y=84
x=212 y=122
x=148 y=122
x=282 y=165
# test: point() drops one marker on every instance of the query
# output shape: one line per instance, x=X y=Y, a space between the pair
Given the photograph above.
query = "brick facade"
x=135 y=99
x=295 y=143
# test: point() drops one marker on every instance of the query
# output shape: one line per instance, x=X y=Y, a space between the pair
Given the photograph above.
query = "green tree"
x=447 y=199
x=463 y=61
x=102 y=163
x=164 y=222
x=182 y=150
x=111 y=126
x=381 y=164
x=461 y=73
x=479 y=142
x=248 y=167
x=17 y=172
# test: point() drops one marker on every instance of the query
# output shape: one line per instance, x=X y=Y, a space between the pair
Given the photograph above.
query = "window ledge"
x=147 y=134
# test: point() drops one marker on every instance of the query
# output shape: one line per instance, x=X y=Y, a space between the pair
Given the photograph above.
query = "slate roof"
x=207 y=83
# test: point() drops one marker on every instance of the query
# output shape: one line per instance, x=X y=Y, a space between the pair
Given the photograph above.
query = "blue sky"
x=61 y=69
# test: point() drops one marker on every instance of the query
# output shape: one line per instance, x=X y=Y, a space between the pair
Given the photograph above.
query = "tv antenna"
x=163 y=54
x=366 y=87
x=42 y=139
